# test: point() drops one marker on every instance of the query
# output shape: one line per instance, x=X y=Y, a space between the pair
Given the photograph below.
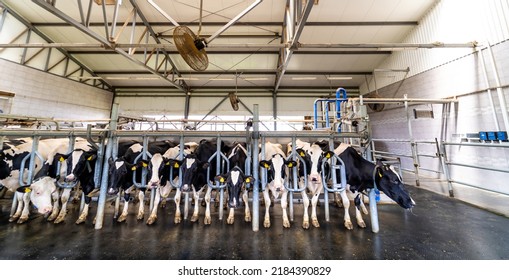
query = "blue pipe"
x=340 y=97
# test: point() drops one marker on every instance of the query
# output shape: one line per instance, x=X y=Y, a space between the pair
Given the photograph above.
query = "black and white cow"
x=277 y=169
x=235 y=181
x=10 y=163
x=121 y=173
x=159 y=174
x=194 y=178
x=313 y=155
x=363 y=175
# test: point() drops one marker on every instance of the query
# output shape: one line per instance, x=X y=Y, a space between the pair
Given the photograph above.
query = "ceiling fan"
x=191 y=46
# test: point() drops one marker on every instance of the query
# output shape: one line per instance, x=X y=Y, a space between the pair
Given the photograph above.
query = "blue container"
x=502 y=135
x=492 y=135
x=483 y=135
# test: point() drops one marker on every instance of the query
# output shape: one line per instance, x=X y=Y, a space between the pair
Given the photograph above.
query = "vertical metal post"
x=218 y=171
x=325 y=191
x=24 y=54
x=488 y=90
x=104 y=179
x=500 y=93
x=413 y=145
x=295 y=178
x=442 y=155
x=374 y=211
x=31 y=165
x=255 y=223
x=114 y=22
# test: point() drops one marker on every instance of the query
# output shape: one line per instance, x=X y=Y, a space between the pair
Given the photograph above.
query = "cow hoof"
x=361 y=224
x=151 y=220
x=247 y=218
x=177 y=220
x=348 y=225
x=266 y=224
x=140 y=216
x=194 y=218
x=51 y=218
x=80 y=221
x=230 y=221
x=305 y=224
x=315 y=223
x=286 y=222
x=22 y=219
x=59 y=220
x=122 y=218
x=13 y=218
x=207 y=220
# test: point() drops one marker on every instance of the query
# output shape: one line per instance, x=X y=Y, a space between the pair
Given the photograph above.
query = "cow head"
x=192 y=171
x=40 y=193
x=388 y=181
x=314 y=157
x=78 y=162
x=118 y=173
x=276 y=172
x=234 y=181
x=157 y=170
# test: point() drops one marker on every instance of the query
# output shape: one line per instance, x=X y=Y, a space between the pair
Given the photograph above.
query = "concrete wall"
x=464 y=79
x=46 y=95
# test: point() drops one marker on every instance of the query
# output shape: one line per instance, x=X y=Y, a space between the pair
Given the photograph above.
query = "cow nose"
x=185 y=188
x=69 y=178
x=153 y=184
x=233 y=204
x=112 y=191
x=45 y=210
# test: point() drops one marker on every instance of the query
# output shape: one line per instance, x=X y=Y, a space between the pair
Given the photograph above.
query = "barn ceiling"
x=277 y=46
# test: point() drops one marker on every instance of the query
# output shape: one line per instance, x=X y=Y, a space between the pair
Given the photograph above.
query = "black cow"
x=194 y=177
x=362 y=175
x=235 y=181
x=121 y=172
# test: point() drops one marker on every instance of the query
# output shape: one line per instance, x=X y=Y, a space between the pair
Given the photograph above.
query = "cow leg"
x=314 y=202
x=153 y=214
x=305 y=217
x=363 y=207
x=337 y=200
x=266 y=197
x=83 y=216
x=346 y=204
x=358 y=214
x=125 y=209
x=284 y=205
x=178 y=216
x=247 y=212
x=231 y=216
x=26 y=208
x=63 y=211
x=208 y=194
x=141 y=207
x=196 y=197
x=17 y=214
x=56 y=205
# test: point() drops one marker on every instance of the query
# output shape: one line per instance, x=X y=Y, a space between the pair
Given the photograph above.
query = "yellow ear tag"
x=302 y=154
x=176 y=165
x=27 y=190
x=133 y=168
x=221 y=180
x=380 y=174
x=168 y=163
x=248 y=180
x=266 y=166
x=290 y=165
x=61 y=159
x=144 y=164
x=327 y=155
x=90 y=157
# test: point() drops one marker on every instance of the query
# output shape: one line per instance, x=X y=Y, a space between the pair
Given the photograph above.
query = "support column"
x=256 y=185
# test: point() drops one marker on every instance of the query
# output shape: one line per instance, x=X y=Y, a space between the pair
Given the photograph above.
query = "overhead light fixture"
x=221 y=79
x=303 y=78
x=339 y=78
x=256 y=79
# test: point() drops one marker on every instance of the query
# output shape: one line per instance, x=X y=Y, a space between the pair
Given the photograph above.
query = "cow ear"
x=205 y=165
x=301 y=152
x=291 y=163
x=111 y=161
x=220 y=178
x=175 y=163
x=130 y=166
x=61 y=157
x=249 y=180
x=24 y=189
x=328 y=154
x=91 y=157
x=265 y=164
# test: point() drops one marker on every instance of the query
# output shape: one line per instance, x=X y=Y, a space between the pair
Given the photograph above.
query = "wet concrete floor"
x=438 y=228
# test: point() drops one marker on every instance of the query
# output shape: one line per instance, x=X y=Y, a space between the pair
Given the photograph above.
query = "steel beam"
x=255 y=23
x=100 y=39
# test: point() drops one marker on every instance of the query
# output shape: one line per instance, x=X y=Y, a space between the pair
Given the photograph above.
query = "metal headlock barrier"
x=108 y=147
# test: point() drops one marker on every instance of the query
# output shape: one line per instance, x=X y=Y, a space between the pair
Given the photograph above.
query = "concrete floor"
x=438 y=228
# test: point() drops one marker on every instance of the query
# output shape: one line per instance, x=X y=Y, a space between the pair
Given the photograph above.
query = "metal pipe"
x=104 y=180
x=478 y=187
x=114 y=22
x=477 y=166
x=500 y=93
x=488 y=90
x=373 y=211
x=413 y=146
x=162 y=12
x=255 y=223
